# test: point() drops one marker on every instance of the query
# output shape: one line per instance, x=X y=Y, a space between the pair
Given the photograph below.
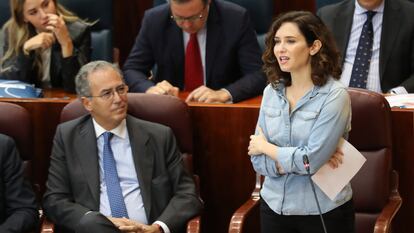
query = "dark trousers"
x=338 y=220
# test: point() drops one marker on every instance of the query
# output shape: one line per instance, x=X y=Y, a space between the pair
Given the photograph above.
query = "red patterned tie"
x=193 y=66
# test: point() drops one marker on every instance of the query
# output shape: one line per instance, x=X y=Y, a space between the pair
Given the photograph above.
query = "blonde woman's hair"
x=18 y=31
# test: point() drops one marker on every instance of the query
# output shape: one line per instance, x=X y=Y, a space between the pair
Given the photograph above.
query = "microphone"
x=307 y=167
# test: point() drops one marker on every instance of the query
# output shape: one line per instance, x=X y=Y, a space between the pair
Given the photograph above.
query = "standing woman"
x=304 y=111
x=45 y=44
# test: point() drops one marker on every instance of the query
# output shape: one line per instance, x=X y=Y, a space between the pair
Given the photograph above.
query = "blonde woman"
x=45 y=44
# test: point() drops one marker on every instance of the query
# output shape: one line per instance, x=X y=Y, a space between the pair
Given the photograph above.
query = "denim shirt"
x=313 y=128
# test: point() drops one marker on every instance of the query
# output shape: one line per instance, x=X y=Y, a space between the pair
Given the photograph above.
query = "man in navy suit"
x=392 y=62
x=230 y=53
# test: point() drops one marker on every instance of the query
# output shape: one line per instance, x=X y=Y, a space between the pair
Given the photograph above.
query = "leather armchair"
x=375 y=187
x=166 y=110
x=21 y=133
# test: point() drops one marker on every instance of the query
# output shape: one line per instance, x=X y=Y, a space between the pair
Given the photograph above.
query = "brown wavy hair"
x=324 y=64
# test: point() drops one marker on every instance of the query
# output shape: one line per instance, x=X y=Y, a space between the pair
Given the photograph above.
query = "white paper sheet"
x=331 y=181
x=402 y=101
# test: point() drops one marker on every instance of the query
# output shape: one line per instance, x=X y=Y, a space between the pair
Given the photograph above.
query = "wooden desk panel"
x=221 y=134
x=403 y=160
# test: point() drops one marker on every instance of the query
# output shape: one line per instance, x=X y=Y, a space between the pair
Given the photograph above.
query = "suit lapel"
x=175 y=44
x=88 y=159
x=213 y=39
x=342 y=27
x=389 y=32
x=143 y=159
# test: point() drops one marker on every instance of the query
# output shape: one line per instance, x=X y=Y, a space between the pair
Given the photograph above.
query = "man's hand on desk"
x=163 y=88
x=206 y=95
x=130 y=226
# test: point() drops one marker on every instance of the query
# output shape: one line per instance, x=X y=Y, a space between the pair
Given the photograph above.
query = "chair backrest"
x=15 y=122
x=261 y=13
x=93 y=10
x=371 y=135
x=166 y=110
x=321 y=3
x=4 y=12
x=4 y=16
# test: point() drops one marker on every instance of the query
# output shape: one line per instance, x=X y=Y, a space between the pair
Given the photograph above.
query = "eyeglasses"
x=109 y=94
x=179 y=19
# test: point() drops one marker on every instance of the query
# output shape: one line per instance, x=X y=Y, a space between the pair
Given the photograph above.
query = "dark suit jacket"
x=73 y=186
x=232 y=52
x=18 y=209
x=62 y=70
x=397 y=39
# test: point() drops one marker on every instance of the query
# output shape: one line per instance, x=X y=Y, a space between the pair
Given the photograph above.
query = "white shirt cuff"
x=399 y=90
x=163 y=226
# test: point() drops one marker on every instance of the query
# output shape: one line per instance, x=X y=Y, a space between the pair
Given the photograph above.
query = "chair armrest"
x=193 y=226
x=239 y=217
x=46 y=225
x=383 y=223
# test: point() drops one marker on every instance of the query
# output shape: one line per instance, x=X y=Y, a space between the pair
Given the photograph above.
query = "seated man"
x=376 y=40
x=206 y=47
x=111 y=172
x=18 y=209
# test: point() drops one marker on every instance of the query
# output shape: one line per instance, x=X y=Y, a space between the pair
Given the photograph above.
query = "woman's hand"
x=257 y=143
x=42 y=40
x=336 y=159
x=57 y=25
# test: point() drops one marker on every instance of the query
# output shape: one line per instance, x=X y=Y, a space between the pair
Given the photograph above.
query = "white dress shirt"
x=360 y=16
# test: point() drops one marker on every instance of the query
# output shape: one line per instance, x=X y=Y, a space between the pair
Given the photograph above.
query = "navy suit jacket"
x=73 y=186
x=232 y=52
x=18 y=208
x=397 y=39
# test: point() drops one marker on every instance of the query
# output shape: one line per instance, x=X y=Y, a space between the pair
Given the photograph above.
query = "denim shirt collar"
x=281 y=89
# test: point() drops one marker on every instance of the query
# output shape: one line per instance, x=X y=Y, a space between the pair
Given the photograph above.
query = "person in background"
x=376 y=40
x=18 y=208
x=305 y=111
x=111 y=172
x=45 y=44
x=205 y=47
